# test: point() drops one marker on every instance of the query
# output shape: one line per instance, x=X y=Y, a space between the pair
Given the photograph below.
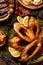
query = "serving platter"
x=30 y=6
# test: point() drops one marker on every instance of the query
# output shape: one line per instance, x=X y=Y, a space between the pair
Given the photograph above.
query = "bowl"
x=30 y=6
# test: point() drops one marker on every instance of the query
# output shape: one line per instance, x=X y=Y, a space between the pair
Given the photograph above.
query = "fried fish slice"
x=15 y=43
x=34 y=26
x=29 y=52
x=23 y=32
x=2 y=38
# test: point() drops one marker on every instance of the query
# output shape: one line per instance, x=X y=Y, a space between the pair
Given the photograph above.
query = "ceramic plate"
x=30 y=6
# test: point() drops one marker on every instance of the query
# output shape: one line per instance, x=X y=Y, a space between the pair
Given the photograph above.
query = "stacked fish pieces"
x=4 y=10
x=28 y=34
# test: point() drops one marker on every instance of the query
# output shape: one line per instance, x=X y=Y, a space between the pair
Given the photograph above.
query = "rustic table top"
x=17 y=4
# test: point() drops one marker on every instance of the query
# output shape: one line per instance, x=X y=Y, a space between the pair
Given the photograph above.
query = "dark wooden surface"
x=18 y=5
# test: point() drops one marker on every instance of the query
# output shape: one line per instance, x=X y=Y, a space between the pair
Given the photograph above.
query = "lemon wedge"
x=14 y=52
x=20 y=19
x=26 y=21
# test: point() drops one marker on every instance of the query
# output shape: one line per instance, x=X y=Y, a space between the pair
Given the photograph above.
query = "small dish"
x=30 y=6
x=6 y=9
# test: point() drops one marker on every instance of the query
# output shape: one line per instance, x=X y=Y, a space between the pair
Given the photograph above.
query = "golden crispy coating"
x=2 y=37
x=34 y=26
x=15 y=43
x=28 y=49
x=23 y=32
